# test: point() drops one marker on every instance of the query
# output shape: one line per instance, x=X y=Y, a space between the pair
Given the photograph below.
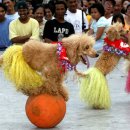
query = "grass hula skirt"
x=18 y=71
x=94 y=89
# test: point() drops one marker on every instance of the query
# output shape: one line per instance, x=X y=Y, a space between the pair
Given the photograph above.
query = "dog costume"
x=94 y=88
x=36 y=68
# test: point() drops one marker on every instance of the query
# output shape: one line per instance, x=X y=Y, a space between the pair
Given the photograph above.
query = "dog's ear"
x=72 y=54
x=72 y=44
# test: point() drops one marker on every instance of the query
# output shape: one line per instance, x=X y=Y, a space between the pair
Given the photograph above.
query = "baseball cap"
x=22 y=5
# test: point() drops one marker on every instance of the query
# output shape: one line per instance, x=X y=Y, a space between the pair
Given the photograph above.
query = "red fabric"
x=63 y=56
x=54 y=42
x=127 y=88
x=119 y=44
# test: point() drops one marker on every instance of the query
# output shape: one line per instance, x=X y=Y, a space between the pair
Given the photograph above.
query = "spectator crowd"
x=22 y=20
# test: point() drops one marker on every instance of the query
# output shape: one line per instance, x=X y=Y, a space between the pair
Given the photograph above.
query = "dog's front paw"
x=54 y=92
x=64 y=93
x=66 y=98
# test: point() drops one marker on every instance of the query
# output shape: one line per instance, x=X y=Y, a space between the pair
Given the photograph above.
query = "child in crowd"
x=99 y=25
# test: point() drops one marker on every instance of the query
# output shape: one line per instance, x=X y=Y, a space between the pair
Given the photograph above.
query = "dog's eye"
x=87 y=47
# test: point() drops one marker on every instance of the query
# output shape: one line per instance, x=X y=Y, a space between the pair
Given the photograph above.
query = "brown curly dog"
x=107 y=61
x=44 y=58
x=94 y=88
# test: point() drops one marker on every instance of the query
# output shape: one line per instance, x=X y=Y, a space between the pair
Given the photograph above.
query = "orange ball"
x=45 y=111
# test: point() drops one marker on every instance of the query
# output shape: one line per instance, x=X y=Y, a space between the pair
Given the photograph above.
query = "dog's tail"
x=80 y=74
x=18 y=71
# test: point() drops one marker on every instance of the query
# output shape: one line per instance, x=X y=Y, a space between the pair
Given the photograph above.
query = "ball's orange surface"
x=45 y=111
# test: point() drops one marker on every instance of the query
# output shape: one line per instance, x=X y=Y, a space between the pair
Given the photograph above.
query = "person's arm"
x=14 y=37
x=21 y=39
x=99 y=33
x=48 y=40
x=90 y=32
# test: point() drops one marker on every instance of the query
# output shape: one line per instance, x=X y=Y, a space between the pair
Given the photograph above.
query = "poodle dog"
x=38 y=67
x=94 y=90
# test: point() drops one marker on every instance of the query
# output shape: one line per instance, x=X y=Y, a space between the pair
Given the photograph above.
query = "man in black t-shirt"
x=58 y=28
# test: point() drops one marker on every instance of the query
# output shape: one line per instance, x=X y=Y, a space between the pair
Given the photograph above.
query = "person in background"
x=127 y=18
x=89 y=17
x=4 y=28
x=76 y=17
x=84 y=5
x=91 y=2
x=118 y=6
x=39 y=16
x=30 y=12
x=23 y=28
x=58 y=28
x=109 y=6
x=11 y=13
x=125 y=3
x=48 y=12
x=99 y=25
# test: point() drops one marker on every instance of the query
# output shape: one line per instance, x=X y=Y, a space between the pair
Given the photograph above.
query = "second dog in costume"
x=94 y=88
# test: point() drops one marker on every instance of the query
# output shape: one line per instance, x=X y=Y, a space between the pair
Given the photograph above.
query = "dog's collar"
x=117 y=46
x=62 y=56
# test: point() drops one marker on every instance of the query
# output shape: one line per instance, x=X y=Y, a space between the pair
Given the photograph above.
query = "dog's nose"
x=97 y=55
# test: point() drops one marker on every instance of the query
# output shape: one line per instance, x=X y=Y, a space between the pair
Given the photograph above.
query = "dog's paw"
x=66 y=98
x=54 y=92
x=97 y=107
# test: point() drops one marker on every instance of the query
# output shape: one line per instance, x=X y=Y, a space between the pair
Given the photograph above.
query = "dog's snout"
x=97 y=55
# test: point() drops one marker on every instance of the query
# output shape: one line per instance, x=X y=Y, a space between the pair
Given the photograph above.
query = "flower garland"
x=62 y=56
x=117 y=46
x=112 y=49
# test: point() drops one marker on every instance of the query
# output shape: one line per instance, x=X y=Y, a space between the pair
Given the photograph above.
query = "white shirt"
x=109 y=20
x=102 y=22
x=76 y=20
x=12 y=16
